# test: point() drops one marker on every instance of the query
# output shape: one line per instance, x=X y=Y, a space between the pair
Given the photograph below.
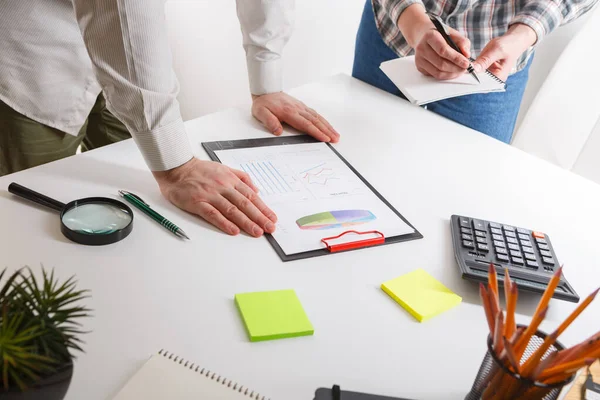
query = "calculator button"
x=510 y=234
x=517 y=260
x=467 y=237
x=499 y=238
x=478 y=225
x=523 y=232
x=548 y=260
x=498 y=243
x=480 y=233
x=483 y=247
x=501 y=250
x=468 y=231
x=508 y=228
x=538 y=235
x=523 y=237
x=502 y=257
x=496 y=231
x=532 y=264
x=468 y=244
x=514 y=253
x=525 y=243
x=530 y=256
x=514 y=247
x=541 y=241
x=481 y=240
x=512 y=240
x=465 y=222
x=528 y=250
x=494 y=225
x=545 y=253
x=543 y=247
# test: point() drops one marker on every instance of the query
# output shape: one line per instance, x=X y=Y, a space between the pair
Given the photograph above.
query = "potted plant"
x=39 y=329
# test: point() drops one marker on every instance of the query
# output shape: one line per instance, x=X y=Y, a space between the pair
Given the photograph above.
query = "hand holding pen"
x=440 y=52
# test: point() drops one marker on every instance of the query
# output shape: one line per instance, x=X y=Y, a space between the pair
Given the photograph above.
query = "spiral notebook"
x=166 y=376
x=420 y=89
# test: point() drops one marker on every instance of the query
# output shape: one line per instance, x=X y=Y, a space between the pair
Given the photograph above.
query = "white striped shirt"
x=56 y=56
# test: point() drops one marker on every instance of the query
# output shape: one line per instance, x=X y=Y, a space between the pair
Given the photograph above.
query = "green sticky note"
x=421 y=294
x=273 y=315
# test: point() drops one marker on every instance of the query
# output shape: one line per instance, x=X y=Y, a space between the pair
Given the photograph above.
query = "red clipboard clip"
x=333 y=248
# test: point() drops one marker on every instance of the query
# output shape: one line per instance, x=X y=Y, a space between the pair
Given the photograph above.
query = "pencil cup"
x=495 y=381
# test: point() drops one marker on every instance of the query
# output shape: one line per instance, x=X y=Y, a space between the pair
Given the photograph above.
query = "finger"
x=299 y=122
x=269 y=120
x=462 y=42
x=489 y=55
x=333 y=133
x=440 y=63
x=314 y=119
x=214 y=217
x=436 y=73
x=232 y=213
x=245 y=205
x=442 y=48
x=257 y=201
x=244 y=177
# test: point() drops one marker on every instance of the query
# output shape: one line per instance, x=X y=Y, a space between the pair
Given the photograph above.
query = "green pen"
x=145 y=208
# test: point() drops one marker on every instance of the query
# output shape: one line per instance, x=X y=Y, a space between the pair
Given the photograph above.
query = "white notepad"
x=166 y=376
x=421 y=89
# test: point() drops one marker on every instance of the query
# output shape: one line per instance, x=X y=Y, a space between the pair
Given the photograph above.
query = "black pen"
x=439 y=26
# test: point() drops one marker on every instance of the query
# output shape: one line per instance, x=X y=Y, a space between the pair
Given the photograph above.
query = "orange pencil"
x=510 y=325
x=549 y=292
x=561 y=369
x=543 y=365
x=493 y=279
x=510 y=354
x=566 y=373
x=486 y=307
x=529 y=331
x=577 y=312
x=498 y=344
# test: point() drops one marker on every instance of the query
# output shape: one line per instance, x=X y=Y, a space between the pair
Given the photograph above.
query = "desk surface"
x=152 y=291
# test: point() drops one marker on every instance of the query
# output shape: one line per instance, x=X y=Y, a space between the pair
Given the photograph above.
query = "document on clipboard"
x=322 y=203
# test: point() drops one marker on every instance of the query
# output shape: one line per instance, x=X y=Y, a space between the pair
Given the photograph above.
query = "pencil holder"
x=495 y=381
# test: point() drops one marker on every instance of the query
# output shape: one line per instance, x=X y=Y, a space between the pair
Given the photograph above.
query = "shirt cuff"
x=166 y=147
x=542 y=17
x=265 y=76
x=396 y=7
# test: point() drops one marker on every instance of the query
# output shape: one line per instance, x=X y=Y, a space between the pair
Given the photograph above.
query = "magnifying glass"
x=91 y=221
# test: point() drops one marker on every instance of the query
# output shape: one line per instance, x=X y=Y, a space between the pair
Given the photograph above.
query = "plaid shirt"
x=482 y=20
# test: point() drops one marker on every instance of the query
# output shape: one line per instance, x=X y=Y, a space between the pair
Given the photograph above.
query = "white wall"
x=209 y=59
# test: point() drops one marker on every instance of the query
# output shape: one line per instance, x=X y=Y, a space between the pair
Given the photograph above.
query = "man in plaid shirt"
x=500 y=34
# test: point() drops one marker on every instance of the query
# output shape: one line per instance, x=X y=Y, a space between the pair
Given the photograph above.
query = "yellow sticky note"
x=421 y=294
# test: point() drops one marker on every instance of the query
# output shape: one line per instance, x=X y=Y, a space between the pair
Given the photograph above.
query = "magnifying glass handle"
x=34 y=196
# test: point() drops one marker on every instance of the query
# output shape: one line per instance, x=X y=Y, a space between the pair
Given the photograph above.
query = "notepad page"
x=421 y=89
x=161 y=378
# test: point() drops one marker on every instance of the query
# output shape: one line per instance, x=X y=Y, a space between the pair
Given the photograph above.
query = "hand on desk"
x=222 y=196
x=274 y=108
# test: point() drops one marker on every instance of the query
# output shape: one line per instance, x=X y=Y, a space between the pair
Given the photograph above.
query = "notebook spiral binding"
x=491 y=75
x=212 y=375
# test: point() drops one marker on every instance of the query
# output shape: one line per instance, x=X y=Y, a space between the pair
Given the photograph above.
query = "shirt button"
x=451 y=20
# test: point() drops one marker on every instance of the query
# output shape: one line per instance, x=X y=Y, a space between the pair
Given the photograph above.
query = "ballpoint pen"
x=439 y=26
x=145 y=208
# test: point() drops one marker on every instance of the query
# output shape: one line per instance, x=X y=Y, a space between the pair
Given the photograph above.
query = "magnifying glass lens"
x=96 y=218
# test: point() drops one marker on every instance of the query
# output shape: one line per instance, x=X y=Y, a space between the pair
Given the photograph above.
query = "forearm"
x=266 y=28
x=128 y=46
x=544 y=16
x=413 y=22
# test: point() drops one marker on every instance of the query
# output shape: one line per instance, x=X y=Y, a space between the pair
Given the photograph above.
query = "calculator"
x=528 y=255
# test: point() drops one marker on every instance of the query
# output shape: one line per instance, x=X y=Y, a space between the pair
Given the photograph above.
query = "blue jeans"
x=494 y=114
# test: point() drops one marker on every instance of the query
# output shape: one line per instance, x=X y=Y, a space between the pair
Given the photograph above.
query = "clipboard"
x=329 y=248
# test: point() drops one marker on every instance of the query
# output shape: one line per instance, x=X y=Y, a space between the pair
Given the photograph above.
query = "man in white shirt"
x=92 y=72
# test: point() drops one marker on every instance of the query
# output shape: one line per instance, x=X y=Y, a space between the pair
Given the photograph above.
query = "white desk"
x=152 y=291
